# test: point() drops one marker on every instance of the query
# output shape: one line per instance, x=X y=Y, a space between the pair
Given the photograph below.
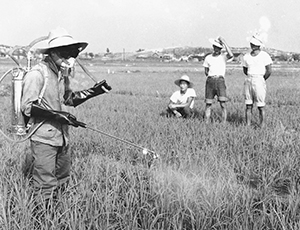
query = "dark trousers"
x=48 y=167
x=186 y=112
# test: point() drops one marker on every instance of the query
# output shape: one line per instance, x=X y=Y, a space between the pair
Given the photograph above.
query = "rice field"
x=216 y=176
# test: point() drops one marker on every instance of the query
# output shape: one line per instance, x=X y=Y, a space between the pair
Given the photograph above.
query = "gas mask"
x=65 y=59
x=67 y=67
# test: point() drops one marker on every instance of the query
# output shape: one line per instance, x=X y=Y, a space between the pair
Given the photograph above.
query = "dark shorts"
x=215 y=86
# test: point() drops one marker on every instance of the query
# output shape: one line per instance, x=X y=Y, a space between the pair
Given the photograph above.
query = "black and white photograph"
x=150 y=115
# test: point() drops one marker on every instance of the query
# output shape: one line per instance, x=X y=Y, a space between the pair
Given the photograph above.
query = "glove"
x=53 y=115
x=100 y=88
x=78 y=97
x=67 y=118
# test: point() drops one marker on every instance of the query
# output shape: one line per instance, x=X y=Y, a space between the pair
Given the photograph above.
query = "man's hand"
x=67 y=118
x=75 y=98
x=268 y=71
x=172 y=106
x=221 y=40
x=101 y=87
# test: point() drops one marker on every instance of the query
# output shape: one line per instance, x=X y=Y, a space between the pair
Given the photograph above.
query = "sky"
x=153 y=24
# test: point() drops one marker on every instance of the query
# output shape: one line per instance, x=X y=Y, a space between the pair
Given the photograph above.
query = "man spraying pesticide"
x=44 y=88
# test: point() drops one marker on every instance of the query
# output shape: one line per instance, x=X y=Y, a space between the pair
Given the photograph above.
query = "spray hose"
x=14 y=141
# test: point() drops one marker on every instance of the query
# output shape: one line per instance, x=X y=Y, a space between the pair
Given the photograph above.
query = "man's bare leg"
x=248 y=114
x=261 y=111
x=207 y=113
x=224 y=111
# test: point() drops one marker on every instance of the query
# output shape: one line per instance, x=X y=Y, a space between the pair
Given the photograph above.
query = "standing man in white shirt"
x=182 y=101
x=257 y=66
x=215 y=67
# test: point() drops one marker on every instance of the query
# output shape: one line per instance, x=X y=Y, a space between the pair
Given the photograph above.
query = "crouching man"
x=182 y=101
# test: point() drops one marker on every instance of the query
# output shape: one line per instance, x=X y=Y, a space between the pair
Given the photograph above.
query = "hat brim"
x=80 y=46
x=213 y=42
x=177 y=82
x=255 y=42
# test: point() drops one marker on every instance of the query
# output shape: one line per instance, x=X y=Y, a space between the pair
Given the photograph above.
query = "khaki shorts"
x=255 y=90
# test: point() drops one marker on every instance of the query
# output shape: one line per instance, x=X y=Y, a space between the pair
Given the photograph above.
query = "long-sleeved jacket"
x=44 y=84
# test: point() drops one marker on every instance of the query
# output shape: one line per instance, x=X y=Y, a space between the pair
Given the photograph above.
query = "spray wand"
x=145 y=151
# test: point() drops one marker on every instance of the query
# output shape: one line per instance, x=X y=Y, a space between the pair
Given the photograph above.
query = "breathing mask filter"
x=67 y=67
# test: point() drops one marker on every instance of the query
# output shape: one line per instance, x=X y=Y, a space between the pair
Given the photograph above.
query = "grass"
x=217 y=176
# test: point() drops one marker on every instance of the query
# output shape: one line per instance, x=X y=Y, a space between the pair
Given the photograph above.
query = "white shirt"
x=179 y=98
x=216 y=64
x=257 y=64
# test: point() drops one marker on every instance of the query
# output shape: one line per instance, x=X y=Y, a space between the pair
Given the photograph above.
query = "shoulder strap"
x=45 y=74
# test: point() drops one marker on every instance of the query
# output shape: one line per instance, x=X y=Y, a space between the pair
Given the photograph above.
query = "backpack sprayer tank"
x=18 y=73
x=17 y=119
